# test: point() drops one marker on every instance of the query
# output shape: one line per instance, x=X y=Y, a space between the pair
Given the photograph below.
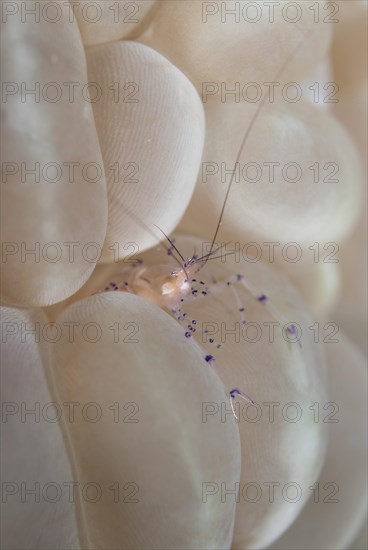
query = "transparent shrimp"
x=170 y=287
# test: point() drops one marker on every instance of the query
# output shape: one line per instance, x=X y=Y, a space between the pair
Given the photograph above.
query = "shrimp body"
x=161 y=284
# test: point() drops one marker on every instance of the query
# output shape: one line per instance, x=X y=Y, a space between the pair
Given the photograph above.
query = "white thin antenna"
x=247 y=133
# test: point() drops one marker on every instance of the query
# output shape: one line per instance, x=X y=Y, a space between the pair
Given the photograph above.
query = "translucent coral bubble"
x=107 y=20
x=54 y=207
x=158 y=449
x=37 y=510
x=337 y=507
x=297 y=180
x=151 y=130
x=222 y=43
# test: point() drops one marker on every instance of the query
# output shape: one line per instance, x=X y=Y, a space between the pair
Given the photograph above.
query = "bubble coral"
x=118 y=429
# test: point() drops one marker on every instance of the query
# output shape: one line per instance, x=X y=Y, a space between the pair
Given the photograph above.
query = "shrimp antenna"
x=171 y=242
x=207 y=256
x=247 y=133
x=142 y=224
x=174 y=247
x=218 y=257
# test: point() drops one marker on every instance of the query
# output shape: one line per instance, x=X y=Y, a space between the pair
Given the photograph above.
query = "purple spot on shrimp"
x=234 y=392
x=262 y=298
x=242 y=309
x=209 y=358
x=211 y=340
x=239 y=277
x=187 y=335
